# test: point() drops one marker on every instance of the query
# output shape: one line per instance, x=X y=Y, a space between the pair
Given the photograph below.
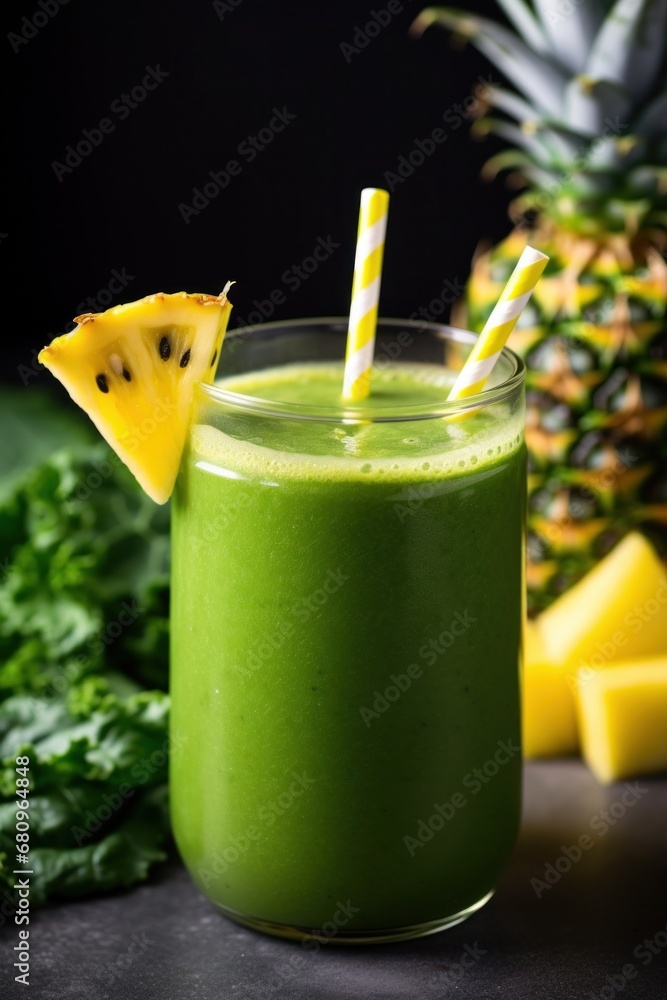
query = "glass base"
x=295 y=933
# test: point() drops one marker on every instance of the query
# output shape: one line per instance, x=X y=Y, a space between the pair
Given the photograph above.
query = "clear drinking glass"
x=346 y=624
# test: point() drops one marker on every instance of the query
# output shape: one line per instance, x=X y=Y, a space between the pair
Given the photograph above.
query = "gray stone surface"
x=163 y=941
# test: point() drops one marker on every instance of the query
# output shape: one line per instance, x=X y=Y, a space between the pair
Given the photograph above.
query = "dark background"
x=227 y=70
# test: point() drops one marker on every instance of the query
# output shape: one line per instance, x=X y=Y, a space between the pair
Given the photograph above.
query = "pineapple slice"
x=623 y=718
x=549 y=725
x=617 y=612
x=134 y=368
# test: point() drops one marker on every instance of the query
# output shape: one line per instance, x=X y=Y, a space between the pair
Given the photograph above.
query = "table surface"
x=596 y=927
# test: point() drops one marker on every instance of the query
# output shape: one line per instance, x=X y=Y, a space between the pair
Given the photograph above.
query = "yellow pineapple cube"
x=617 y=612
x=622 y=713
x=549 y=727
x=533 y=643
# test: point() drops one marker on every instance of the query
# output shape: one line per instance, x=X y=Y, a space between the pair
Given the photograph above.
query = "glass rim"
x=356 y=413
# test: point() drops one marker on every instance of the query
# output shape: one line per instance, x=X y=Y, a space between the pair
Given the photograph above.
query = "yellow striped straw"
x=365 y=293
x=486 y=351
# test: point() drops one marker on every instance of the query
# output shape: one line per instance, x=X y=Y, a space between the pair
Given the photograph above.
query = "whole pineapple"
x=591 y=138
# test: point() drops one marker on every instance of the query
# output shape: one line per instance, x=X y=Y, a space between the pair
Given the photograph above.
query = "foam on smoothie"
x=253 y=445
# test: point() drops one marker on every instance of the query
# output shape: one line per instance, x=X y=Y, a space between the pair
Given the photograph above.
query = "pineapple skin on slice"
x=548 y=720
x=134 y=369
x=622 y=713
x=618 y=611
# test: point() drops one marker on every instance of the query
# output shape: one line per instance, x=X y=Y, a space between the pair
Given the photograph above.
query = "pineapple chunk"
x=623 y=718
x=549 y=724
x=549 y=727
x=617 y=612
x=533 y=644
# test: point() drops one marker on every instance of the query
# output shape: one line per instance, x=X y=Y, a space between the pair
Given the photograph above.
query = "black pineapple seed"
x=215 y=354
x=164 y=349
x=101 y=381
x=126 y=375
x=185 y=360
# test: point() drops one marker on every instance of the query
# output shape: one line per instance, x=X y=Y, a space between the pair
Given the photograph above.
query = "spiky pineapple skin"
x=594 y=338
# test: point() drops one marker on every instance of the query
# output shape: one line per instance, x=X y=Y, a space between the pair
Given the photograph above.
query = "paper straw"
x=486 y=351
x=365 y=293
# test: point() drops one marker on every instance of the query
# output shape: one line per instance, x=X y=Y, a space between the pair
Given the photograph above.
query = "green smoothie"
x=346 y=625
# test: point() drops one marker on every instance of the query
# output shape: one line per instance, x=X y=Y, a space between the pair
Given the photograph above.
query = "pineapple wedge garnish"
x=134 y=369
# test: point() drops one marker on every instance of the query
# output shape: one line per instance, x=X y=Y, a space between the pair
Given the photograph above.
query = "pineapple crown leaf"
x=514 y=159
x=629 y=48
x=570 y=32
x=589 y=104
x=652 y=179
x=509 y=102
x=538 y=78
x=589 y=115
x=652 y=119
x=590 y=107
x=549 y=146
x=527 y=25
x=557 y=148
